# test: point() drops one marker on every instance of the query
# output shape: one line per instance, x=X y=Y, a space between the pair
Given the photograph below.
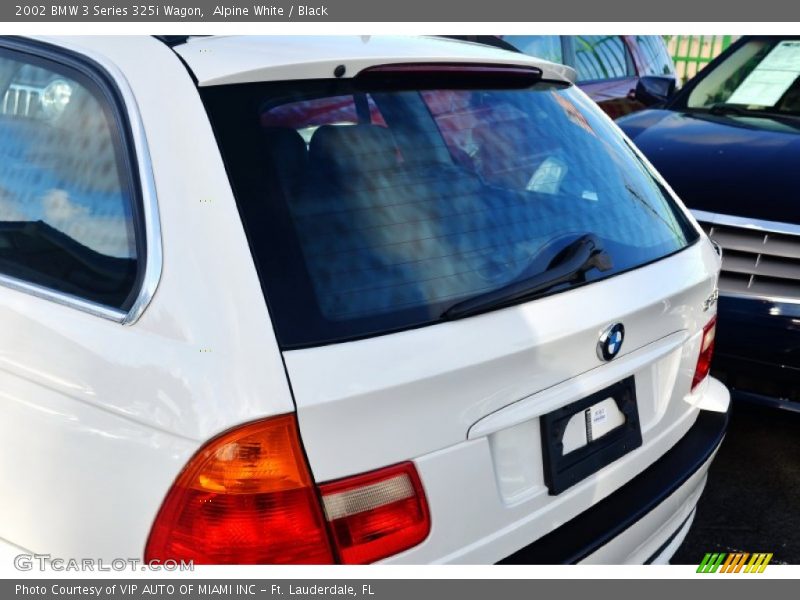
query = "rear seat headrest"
x=352 y=148
x=287 y=152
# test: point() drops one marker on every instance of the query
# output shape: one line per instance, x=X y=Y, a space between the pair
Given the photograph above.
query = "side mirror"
x=652 y=89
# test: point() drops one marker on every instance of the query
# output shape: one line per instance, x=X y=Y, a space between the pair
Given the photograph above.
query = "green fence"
x=693 y=52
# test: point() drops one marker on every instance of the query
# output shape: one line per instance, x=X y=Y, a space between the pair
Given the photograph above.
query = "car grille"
x=20 y=101
x=756 y=261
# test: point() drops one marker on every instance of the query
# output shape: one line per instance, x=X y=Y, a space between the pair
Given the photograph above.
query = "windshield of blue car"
x=761 y=76
x=371 y=210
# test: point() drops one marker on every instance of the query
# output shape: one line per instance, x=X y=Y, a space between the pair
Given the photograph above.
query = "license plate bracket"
x=562 y=471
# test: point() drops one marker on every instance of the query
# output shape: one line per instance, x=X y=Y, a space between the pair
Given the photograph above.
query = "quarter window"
x=66 y=198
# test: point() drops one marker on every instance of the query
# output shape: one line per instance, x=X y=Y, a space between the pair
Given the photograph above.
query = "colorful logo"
x=610 y=341
x=734 y=563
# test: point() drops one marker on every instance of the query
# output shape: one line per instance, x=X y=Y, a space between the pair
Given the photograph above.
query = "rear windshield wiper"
x=570 y=265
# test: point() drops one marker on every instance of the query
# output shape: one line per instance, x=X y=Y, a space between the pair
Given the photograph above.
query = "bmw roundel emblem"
x=610 y=341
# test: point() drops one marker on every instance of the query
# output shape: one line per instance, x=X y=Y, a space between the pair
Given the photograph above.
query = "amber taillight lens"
x=248 y=497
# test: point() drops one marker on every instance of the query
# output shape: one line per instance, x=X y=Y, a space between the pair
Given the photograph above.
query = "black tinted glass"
x=373 y=210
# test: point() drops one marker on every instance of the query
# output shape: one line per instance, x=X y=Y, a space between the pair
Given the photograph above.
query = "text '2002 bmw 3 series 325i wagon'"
x=347 y=300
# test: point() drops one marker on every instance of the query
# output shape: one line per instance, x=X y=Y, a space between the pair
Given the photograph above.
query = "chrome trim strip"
x=755 y=225
x=746 y=222
x=776 y=299
x=152 y=224
x=98 y=310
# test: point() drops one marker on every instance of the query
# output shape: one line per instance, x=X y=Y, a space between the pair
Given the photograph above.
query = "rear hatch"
x=446 y=262
x=371 y=403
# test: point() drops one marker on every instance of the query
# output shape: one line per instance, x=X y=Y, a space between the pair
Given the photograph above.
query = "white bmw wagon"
x=340 y=300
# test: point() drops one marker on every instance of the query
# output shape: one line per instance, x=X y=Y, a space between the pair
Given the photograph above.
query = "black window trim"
x=111 y=82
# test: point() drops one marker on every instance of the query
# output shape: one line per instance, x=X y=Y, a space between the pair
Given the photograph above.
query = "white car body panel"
x=440 y=381
x=479 y=536
x=117 y=410
x=104 y=416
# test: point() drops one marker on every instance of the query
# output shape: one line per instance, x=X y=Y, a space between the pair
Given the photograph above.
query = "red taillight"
x=377 y=514
x=247 y=497
x=706 y=353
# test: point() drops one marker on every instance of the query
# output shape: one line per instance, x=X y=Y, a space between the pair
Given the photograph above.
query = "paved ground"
x=752 y=499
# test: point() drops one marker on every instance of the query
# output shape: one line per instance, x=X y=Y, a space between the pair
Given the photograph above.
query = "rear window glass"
x=370 y=211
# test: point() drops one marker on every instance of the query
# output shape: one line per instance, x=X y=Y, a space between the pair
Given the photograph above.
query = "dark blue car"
x=729 y=145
